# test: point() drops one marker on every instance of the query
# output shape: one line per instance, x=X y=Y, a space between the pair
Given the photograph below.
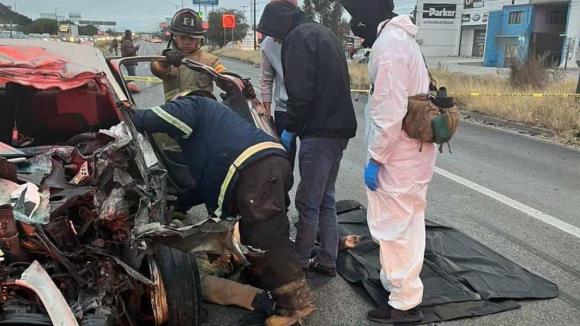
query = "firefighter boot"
x=295 y=302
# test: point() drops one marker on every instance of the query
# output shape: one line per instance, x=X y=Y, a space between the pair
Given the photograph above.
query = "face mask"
x=366 y=17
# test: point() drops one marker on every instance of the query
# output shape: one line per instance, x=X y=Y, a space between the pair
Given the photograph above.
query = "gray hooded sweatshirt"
x=272 y=75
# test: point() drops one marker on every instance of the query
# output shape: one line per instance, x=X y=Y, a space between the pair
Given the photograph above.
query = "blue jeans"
x=280 y=123
x=131 y=69
x=319 y=162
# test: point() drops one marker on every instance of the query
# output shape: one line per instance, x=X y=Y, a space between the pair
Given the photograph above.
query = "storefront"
x=463 y=27
x=473 y=30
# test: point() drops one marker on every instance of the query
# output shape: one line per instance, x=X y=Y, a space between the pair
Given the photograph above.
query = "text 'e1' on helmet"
x=186 y=21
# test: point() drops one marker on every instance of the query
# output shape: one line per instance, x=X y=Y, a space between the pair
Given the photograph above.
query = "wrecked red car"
x=86 y=230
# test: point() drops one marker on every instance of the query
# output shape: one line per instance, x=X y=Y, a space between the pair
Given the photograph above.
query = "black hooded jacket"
x=315 y=73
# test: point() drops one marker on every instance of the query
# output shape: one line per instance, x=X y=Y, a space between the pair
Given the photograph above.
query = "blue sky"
x=140 y=15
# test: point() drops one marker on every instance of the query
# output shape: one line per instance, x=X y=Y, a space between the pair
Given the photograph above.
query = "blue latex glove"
x=372 y=175
x=288 y=140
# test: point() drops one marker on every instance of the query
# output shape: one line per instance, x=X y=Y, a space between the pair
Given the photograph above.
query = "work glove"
x=130 y=112
x=371 y=175
x=174 y=57
x=288 y=140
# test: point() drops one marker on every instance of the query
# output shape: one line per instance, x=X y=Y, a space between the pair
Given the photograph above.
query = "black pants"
x=261 y=196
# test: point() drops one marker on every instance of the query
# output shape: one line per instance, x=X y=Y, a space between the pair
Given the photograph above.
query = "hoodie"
x=366 y=15
x=315 y=73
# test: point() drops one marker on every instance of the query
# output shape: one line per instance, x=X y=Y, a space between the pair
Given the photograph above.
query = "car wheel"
x=176 y=295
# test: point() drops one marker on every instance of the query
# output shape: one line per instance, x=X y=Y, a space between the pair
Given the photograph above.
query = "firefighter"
x=239 y=170
x=187 y=37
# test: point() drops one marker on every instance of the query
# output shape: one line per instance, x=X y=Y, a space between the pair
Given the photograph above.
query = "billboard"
x=74 y=16
x=439 y=11
x=229 y=21
x=206 y=2
x=97 y=23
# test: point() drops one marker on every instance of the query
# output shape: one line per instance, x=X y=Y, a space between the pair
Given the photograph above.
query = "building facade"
x=479 y=28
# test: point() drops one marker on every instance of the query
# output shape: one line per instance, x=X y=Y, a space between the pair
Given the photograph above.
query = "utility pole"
x=578 y=89
x=255 y=35
x=244 y=10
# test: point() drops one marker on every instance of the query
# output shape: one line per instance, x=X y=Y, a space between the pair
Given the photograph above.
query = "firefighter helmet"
x=186 y=21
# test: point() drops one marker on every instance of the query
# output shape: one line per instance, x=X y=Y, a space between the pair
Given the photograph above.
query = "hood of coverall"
x=405 y=23
x=366 y=17
x=279 y=18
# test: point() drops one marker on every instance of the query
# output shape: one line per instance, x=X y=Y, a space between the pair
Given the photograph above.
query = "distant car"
x=361 y=56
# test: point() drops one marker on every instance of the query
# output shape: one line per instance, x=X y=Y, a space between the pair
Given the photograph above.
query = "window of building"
x=515 y=17
x=556 y=17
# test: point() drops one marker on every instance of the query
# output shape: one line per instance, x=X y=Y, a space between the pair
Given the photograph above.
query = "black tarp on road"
x=462 y=277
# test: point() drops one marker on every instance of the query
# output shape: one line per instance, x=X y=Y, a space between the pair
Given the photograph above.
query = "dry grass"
x=556 y=113
x=252 y=57
x=359 y=76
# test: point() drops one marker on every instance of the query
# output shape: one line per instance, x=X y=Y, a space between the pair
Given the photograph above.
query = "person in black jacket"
x=238 y=169
x=321 y=112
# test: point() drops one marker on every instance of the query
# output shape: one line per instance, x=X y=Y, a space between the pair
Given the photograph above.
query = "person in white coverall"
x=399 y=170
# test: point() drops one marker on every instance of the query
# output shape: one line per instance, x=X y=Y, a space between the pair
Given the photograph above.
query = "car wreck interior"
x=73 y=186
x=48 y=117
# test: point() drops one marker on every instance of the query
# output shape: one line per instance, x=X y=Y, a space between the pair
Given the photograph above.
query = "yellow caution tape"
x=477 y=94
x=143 y=78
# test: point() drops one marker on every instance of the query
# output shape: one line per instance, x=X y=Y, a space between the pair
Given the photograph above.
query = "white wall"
x=467 y=41
x=573 y=32
x=439 y=36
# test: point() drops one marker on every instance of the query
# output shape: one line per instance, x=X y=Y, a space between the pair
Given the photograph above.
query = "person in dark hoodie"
x=321 y=112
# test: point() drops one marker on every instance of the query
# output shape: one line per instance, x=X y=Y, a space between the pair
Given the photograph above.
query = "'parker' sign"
x=439 y=11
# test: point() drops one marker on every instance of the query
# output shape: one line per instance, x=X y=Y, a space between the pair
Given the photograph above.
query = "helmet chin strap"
x=172 y=42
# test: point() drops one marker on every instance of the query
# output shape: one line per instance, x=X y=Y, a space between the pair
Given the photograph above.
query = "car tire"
x=182 y=285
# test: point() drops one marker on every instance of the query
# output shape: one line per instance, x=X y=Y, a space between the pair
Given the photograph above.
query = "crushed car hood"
x=46 y=65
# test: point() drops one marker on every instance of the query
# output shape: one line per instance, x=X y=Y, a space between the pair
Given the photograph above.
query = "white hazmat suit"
x=396 y=214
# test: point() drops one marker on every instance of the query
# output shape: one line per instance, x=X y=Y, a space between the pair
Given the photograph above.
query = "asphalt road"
x=503 y=189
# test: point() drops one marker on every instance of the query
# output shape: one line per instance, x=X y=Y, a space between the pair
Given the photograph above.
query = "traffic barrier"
x=478 y=94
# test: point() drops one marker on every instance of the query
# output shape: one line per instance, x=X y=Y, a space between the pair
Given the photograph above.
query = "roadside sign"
x=229 y=21
x=206 y=2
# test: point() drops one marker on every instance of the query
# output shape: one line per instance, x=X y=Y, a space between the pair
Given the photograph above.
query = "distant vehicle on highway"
x=15 y=34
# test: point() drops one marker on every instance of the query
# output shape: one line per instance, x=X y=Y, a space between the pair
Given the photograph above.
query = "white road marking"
x=548 y=219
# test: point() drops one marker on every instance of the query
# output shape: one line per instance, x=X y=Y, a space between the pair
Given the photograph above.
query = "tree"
x=326 y=12
x=88 y=30
x=41 y=26
x=7 y=16
x=215 y=32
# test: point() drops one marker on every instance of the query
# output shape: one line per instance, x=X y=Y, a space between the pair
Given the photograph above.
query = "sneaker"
x=390 y=315
x=321 y=269
x=265 y=303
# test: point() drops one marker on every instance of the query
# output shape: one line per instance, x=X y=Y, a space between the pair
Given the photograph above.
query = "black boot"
x=265 y=303
x=390 y=315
